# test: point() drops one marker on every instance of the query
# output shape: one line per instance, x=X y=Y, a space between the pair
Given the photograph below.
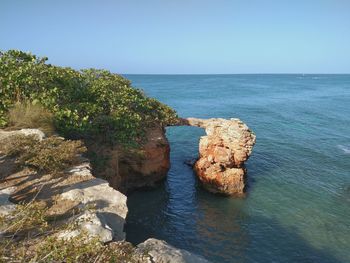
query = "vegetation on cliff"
x=29 y=234
x=51 y=155
x=37 y=224
x=93 y=105
x=83 y=102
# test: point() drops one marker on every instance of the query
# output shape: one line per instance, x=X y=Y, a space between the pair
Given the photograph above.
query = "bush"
x=28 y=115
x=53 y=154
x=83 y=102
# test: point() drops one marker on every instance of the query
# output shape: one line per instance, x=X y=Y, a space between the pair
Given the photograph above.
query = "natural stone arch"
x=227 y=144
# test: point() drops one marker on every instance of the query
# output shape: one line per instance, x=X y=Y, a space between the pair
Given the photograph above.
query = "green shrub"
x=28 y=115
x=53 y=154
x=83 y=102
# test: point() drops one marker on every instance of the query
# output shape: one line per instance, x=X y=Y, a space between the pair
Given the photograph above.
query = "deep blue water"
x=297 y=207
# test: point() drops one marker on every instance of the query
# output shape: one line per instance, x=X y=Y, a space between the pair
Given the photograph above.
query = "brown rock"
x=150 y=165
x=220 y=167
x=128 y=169
x=222 y=153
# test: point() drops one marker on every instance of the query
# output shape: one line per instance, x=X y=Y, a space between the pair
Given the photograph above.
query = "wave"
x=344 y=149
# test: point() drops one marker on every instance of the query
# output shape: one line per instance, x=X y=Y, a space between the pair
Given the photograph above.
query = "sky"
x=183 y=36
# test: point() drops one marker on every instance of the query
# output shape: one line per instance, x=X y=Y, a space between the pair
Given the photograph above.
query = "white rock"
x=162 y=252
x=6 y=207
x=109 y=212
x=91 y=224
x=83 y=169
x=38 y=133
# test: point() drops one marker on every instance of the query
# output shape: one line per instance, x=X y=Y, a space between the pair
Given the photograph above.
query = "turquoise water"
x=297 y=207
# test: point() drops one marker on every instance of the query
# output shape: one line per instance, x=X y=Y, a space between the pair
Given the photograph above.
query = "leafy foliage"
x=83 y=102
x=53 y=154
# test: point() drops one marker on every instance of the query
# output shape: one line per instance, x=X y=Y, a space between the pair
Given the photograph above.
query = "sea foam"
x=344 y=149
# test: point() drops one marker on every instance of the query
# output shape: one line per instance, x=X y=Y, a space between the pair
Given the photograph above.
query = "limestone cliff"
x=129 y=169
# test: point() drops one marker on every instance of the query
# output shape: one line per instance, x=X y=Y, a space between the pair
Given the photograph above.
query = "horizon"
x=180 y=74
x=184 y=38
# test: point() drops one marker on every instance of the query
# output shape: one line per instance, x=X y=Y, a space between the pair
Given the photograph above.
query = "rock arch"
x=228 y=143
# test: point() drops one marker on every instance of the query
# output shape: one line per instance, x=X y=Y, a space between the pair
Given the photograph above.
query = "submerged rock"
x=190 y=162
x=228 y=143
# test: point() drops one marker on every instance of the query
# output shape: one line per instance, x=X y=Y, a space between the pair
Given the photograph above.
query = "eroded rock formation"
x=129 y=169
x=222 y=152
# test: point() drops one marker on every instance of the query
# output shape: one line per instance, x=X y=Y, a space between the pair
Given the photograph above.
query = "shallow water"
x=297 y=207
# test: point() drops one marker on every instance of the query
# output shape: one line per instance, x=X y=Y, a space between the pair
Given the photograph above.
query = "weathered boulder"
x=26 y=132
x=108 y=209
x=222 y=152
x=161 y=252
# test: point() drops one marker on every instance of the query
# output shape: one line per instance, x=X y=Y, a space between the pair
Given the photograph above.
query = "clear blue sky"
x=183 y=36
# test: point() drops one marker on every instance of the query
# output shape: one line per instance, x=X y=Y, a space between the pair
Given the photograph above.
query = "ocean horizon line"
x=199 y=74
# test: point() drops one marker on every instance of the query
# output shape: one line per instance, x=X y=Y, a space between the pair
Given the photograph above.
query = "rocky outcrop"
x=99 y=210
x=161 y=252
x=220 y=167
x=107 y=217
x=222 y=152
x=129 y=169
x=76 y=196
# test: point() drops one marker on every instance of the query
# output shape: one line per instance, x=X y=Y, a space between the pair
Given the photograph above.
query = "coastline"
x=80 y=189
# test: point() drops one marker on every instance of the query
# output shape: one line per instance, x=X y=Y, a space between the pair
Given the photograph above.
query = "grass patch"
x=28 y=236
x=28 y=115
x=53 y=154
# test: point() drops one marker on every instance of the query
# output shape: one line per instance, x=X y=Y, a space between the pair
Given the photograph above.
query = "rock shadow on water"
x=283 y=245
x=242 y=238
x=261 y=164
x=147 y=215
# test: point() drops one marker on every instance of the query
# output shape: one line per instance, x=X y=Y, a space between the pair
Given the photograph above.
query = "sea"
x=297 y=202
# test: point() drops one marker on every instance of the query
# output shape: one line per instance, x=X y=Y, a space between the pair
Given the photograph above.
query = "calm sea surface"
x=297 y=207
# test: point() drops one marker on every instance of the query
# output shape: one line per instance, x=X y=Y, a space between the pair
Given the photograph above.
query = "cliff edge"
x=75 y=198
